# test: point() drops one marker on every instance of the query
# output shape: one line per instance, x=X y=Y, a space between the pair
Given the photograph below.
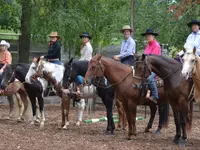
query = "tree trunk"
x=25 y=38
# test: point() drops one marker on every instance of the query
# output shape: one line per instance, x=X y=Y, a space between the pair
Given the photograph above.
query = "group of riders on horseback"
x=126 y=55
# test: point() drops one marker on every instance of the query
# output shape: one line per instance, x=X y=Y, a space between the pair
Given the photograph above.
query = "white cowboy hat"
x=3 y=42
x=126 y=27
x=54 y=34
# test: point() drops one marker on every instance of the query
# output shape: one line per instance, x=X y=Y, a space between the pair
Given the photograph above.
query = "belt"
x=53 y=59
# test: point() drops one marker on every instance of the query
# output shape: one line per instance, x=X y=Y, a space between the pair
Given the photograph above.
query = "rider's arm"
x=8 y=60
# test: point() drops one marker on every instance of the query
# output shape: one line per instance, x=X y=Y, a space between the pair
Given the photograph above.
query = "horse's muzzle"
x=88 y=81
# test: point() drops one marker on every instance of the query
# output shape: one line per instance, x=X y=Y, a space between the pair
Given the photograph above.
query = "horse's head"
x=189 y=61
x=32 y=73
x=69 y=74
x=95 y=69
x=142 y=68
x=8 y=76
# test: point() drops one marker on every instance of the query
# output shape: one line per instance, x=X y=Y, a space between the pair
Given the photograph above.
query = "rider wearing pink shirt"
x=152 y=48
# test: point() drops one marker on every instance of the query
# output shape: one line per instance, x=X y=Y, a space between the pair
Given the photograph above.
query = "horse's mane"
x=166 y=60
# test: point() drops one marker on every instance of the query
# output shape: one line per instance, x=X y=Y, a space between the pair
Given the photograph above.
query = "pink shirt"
x=153 y=47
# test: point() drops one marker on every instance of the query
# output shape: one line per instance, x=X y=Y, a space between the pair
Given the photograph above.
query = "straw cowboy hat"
x=4 y=43
x=54 y=34
x=149 y=32
x=193 y=22
x=126 y=27
x=85 y=34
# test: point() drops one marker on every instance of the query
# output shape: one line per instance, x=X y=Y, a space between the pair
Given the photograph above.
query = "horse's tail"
x=189 y=116
x=165 y=114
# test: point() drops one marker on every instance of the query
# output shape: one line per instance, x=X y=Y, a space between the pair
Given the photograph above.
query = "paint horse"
x=106 y=93
x=53 y=73
x=191 y=65
x=176 y=90
x=34 y=90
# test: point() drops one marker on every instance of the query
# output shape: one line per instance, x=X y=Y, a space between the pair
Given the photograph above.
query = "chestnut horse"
x=126 y=87
x=122 y=78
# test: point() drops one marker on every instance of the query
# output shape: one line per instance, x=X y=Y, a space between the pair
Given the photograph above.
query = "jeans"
x=58 y=62
x=1 y=74
x=152 y=85
x=129 y=60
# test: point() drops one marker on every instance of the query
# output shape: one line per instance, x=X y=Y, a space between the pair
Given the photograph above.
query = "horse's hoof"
x=158 y=132
x=78 y=123
x=112 y=133
x=146 y=130
x=182 y=142
x=32 y=122
x=176 y=140
x=128 y=138
x=118 y=129
x=41 y=125
x=107 y=132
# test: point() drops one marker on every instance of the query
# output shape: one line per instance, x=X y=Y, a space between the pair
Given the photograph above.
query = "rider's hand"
x=1 y=70
x=41 y=57
x=116 y=57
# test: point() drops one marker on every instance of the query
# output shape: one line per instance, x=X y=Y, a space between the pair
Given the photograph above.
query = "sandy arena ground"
x=24 y=136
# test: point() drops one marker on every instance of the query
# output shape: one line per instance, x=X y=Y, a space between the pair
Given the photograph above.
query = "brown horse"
x=176 y=89
x=126 y=86
x=121 y=77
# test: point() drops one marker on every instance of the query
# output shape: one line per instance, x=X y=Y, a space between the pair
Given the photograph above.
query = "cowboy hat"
x=126 y=27
x=3 y=42
x=54 y=34
x=193 y=22
x=85 y=34
x=149 y=32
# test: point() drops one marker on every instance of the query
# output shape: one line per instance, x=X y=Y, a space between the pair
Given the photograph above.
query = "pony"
x=52 y=73
x=34 y=91
x=121 y=76
x=106 y=93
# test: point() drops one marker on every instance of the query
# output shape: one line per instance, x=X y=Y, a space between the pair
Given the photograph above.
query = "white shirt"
x=193 y=40
x=86 y=52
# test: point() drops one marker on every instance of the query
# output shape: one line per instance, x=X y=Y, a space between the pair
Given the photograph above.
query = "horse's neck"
x=165 y=67
x=55 y=71
x=114 y=71
x=196 y=72
x=44 y=83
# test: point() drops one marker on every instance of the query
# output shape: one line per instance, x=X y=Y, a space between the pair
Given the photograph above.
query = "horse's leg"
x=120 y=113
x=41 y=106
x=177 y=124
x=132 y=107
x=183 y=114
x=19 y=101
x=33 y=104
x=25 y=102
x=65 y=111
x=80 y=110
x=11 y=104
x=153 y=109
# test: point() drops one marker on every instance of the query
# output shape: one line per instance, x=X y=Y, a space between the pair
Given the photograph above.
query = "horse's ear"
x=184 y=49
x=194 y=50
x=143 y=57
x=99 y=57
x=70 y=61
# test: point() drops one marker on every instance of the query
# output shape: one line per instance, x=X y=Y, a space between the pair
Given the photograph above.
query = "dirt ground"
x=24 y=136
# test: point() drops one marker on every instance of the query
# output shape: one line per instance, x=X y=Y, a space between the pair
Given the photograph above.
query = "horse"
x=33 y=91
x=191 y=63
x=52 y=73
x=75 y=68
x=130 y=97
x=176 y=89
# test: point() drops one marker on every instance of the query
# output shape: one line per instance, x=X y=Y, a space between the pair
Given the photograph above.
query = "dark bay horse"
x=33 y=91
x=122 y=78
x=75 y=68
x=81 y=67
x=176 y=89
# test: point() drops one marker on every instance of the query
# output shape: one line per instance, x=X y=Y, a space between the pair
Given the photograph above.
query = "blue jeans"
x=129 y=60
x=58 y=62
x=152 y=85
x=1 y=74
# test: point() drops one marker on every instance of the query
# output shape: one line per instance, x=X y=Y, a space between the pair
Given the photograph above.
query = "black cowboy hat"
x=149 y=32
x=193 y=22
x=85 y=34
